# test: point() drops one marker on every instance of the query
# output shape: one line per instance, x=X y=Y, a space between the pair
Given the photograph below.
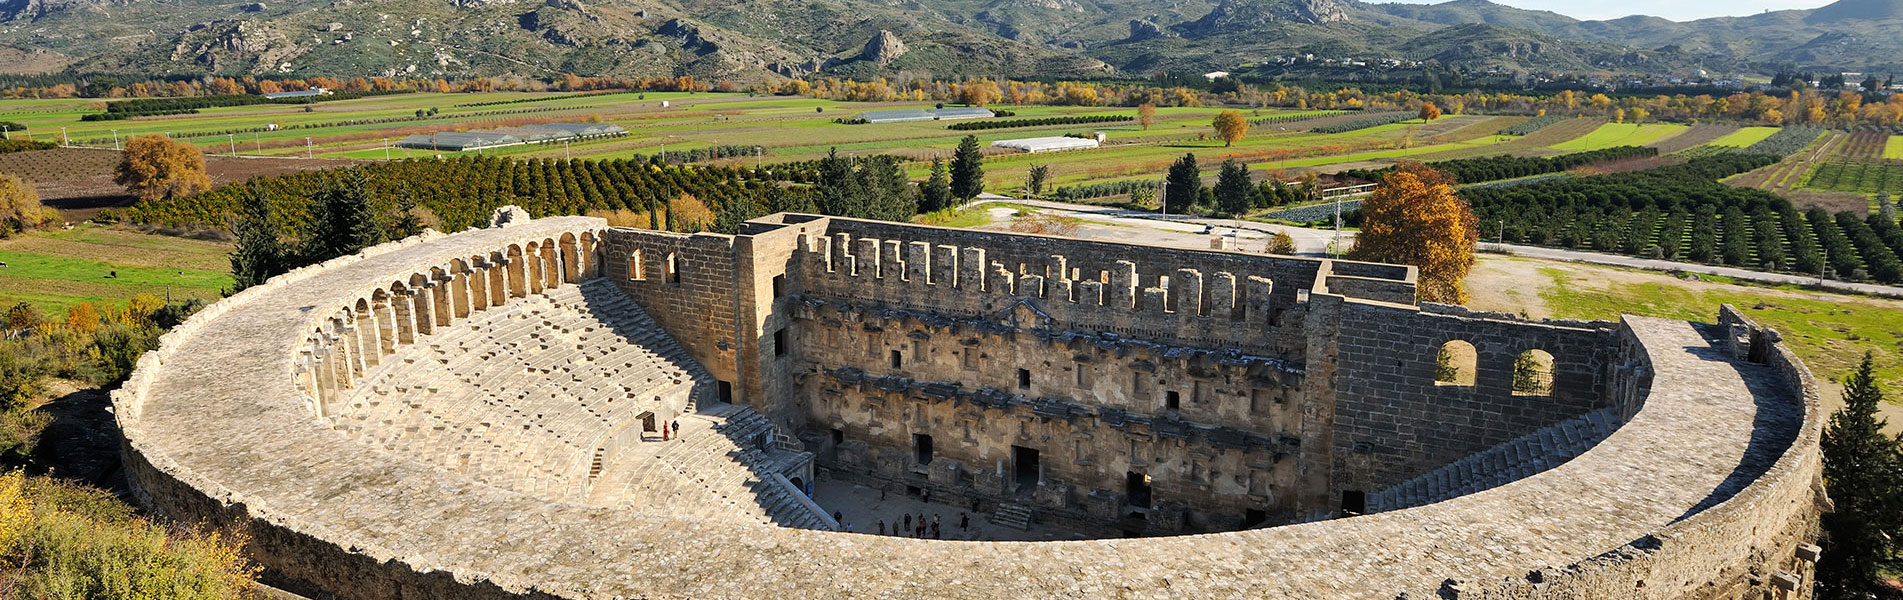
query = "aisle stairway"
x=720 y=467
x=1508 y=462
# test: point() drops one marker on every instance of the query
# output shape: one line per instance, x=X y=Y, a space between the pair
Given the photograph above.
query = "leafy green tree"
x=1183 y=185
x=967 y=170
x=935 y=194
x=259 y=254
x=1036 y=179
x=342 y=221
x=1863 y=470
x=1233 y=188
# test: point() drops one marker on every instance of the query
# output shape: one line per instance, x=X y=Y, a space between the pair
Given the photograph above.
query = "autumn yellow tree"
x=1429 y=112
x=1146 y=114
x=20 y=207
x=980 y=93
x=1415 y=218
x=1230 y=126
x=157 y=168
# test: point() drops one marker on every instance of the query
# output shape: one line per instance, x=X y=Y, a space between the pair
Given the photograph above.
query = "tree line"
x=1493 y=168
x=1038 y=122
x=1365 y=122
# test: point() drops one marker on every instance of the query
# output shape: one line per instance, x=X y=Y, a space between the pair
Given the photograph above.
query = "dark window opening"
x=1354 y=502
x=897 y=359
x=839 y=437
x=1024 y=467
x=1136 y=489
x=1172 y=400
x=673 y=267
x=779 y=342
x=726 y=392
x=922 y=448
x=1253 y=518
x=779 y=285
x=1024 y=379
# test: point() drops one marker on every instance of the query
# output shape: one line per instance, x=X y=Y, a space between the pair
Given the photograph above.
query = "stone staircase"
x=721 y=467
x=1508 y=462
x=1015 y=516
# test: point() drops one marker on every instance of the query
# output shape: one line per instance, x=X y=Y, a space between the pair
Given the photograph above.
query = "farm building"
x=310 y=93
x=458 y=141
x=928 y=114
x=1046 y=144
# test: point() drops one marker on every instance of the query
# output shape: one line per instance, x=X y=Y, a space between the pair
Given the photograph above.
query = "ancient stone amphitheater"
x=479 y=415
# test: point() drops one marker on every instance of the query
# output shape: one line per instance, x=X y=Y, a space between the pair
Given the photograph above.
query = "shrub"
x=61 y=540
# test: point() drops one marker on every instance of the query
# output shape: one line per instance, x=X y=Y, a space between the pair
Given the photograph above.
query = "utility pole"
x=115 y=139
x=1503 y=233
x=757 y=151
x=309 y=153
x=1338 y=226
x=386 y=149
x=6 y=132
x=257 y=143
x=565 y=154
x=1163 y=199
x=63 y=140
x=233 y=138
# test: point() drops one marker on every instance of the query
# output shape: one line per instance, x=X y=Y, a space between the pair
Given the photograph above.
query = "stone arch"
x=458 y=285
x=551 y=266
x=518 y=273
x=402 y=310
x=442 y=305
x=421 y=295
x=590 y=260
x=369 y=339
x=532 y=266
x=1456 y=363
x=1533 y=373
x=475 y=284
x=637 y=265
x=498 y=276
x=571 y=258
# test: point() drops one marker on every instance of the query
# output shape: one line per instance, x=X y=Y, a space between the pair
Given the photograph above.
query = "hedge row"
x=1042 y=122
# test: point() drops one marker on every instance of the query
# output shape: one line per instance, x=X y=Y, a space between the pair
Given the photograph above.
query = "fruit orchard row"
x=1042 y=122
x=1364 y=123
x=1533 y=124
x=1494 y=168
x=1680 y=212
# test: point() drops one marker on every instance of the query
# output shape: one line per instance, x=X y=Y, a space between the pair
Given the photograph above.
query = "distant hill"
x=756 y=39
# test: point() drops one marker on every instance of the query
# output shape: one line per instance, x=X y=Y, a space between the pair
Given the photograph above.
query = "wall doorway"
x=1024 y=467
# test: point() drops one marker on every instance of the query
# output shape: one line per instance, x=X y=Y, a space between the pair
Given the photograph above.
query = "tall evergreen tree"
x=889 y=195
x=935 y=194
x=1233 y=188
x=1863 y=470
x=837 y=191
x=260 y=254
x=1036 y=179
x=1185 y=184
x=342 y=220
x=967 y=170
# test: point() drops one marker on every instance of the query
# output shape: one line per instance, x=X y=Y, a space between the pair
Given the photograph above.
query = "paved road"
x=1251 y=235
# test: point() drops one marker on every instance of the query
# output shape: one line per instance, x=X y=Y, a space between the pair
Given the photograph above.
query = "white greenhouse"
x=1046 y=144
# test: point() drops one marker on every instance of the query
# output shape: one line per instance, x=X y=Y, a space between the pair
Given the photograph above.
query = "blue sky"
x=1676 y=10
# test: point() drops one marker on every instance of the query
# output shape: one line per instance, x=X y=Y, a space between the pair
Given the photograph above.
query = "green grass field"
x=1830 y=332
x=1893 y=148
x=1744 y=136
x=57 y=269
x=1622 y=134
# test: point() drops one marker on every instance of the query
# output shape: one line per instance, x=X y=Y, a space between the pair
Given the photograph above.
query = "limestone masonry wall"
x=1117 y=386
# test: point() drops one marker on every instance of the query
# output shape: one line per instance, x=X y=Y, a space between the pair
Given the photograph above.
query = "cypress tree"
x=889 y=194
x=1185 y=185
x=1862 y=468
x=838 y=191
x=967 y=170
x=935 y=194
x=342 y=221
x=259 y=254
x=1233 y=188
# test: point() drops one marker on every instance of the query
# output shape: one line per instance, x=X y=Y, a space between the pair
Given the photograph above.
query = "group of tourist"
x=917 y=527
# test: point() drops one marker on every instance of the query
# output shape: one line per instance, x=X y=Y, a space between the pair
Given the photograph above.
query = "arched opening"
x=672 y=268
x=420 y=295
x=441 y=307
x=368 y=341
x=590 y=264
x=498 y=276
x=1455 y=364
x=477 y=284
x=403 y=308
x=1533 y=373
x=551 y=266
x=637 y=269
x=459 y=287
x=571 y=259
x=518 y=273
x=532 y=266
